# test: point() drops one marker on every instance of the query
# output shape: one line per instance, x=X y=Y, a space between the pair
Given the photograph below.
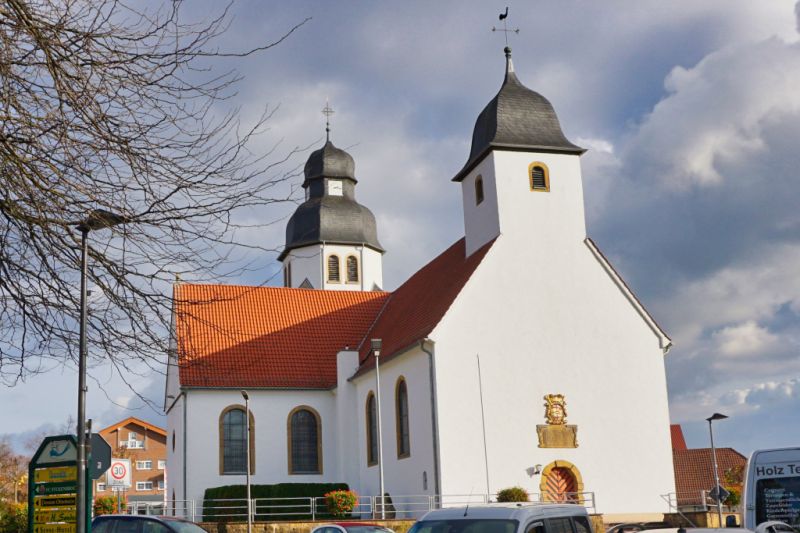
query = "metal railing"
x=699 y=501
x=315 y=508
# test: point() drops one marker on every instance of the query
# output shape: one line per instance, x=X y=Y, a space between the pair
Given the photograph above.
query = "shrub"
x=106 y=505
x=341 y=502
x=512 y=494
x=13 y=518
x=266 y=508
x=734 y=498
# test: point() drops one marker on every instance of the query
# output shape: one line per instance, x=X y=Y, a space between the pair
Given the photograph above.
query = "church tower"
x=523 y=178
x=331 y=239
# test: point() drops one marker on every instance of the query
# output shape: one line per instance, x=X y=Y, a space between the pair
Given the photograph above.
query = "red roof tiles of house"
x=694 y=471
x=676 y=434
x=233 y=336
x=270 y=337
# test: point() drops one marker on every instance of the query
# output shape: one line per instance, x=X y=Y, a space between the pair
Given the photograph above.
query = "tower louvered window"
x=352 y=269
x=539 y=178
x=333 y=269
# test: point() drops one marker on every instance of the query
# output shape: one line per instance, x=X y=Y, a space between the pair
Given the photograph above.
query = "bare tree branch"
x=104 y=106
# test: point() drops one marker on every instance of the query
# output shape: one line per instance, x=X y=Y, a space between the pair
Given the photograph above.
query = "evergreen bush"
x=512 y=494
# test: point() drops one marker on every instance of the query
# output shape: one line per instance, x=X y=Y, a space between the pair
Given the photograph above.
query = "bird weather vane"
x=327 y=111
x=504 y=29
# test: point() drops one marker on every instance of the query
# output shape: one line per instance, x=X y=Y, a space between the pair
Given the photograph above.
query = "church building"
x=516 y=357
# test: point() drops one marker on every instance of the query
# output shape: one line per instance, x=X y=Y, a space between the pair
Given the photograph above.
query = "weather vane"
x=505 y=30
x=327 y=111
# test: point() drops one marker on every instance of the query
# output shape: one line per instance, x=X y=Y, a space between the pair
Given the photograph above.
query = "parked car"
x=126 y=523
x=351 y=527
x=506 y=518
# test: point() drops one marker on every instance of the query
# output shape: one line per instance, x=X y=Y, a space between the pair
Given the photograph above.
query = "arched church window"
x=352 y=269
x=478 y=190
x=305 y=445
x=401 y=418
x=233 y=441
x=539 y=176
x=372 y=430
x=333 y=269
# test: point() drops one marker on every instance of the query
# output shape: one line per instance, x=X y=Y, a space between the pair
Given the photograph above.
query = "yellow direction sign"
x=53 y=515
x=55 y=474
x=53 y=528
x=54 y=501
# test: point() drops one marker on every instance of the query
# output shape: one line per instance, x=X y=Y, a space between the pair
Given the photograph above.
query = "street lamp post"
x=97 y=219
x=247 y=444
x=376 y=351
x=716 y=416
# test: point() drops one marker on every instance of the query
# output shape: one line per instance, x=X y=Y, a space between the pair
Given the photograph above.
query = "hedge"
x=217 y=511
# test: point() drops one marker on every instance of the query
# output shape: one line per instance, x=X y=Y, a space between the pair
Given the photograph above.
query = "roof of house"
x=271 y=337
x=133 y=420
x=234 y=336
x=676 y=435
x=694 y=470
x=417 y=306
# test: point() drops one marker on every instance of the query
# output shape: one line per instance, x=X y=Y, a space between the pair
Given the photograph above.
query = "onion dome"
x=330 y=162
x=330 y=214
x=517 y=118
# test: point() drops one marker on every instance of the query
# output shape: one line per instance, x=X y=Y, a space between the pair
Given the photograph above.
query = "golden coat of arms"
x=556 y=433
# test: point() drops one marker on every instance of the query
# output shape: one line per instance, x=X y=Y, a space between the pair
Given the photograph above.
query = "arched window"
x=233 y=441
x=478 y=190
x=539 y=176
x=372 y=430
x=333 y=269
x=401 y=418
x=305 y=446
x=352 y=269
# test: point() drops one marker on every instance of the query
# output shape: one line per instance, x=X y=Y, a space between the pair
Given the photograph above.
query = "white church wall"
x=270 y=410
x=347 y=417
x=305 y=264
x=481 y=221
x=402 y=476
x=590 y=345
x=175 y=441
x=546 y=318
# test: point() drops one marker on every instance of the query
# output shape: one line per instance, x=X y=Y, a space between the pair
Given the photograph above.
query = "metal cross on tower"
x=327 y=111
x=505 y=30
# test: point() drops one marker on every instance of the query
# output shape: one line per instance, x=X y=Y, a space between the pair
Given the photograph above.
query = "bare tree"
x=104 y=106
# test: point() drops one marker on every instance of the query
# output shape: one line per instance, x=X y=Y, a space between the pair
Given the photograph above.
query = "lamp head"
x=376 y=346
x=716 y=416
x=245 y=396
x=99 y=219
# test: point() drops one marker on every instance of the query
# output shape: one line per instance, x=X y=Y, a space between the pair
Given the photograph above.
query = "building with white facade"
x=518 y=356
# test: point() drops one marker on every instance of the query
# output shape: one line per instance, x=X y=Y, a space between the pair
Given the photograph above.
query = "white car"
x=506 y=518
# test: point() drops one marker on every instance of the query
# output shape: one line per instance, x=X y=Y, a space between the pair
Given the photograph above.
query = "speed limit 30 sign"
x=119 y=474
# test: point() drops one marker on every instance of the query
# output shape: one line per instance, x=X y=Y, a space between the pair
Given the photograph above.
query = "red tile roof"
x=133 y=420
x=417 y=306
x=694 y=471
x=233 y=336
x=676 y=434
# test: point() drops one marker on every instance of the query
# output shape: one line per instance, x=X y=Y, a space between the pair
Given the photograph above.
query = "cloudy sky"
x=691 y=113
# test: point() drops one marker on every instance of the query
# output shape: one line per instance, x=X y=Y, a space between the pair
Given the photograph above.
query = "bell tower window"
x=352 y=269
x=478 y=190
x=333 y=269
x=539 y=176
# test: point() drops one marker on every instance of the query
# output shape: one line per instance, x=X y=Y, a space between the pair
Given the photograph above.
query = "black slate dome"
x=517 y=118
x=329 y=162
x=330 y=218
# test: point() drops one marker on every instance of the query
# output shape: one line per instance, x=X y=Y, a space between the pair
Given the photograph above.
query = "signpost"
x=100 y=456
x=118 y=478
x=53 y=487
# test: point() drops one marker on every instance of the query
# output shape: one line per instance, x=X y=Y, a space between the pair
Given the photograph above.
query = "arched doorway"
x=561 y=482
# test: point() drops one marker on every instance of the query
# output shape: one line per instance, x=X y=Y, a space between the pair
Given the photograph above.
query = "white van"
x=506 y=518
x=772 y=487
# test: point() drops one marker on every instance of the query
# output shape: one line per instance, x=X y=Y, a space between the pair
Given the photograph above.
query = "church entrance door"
x=561 y=485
